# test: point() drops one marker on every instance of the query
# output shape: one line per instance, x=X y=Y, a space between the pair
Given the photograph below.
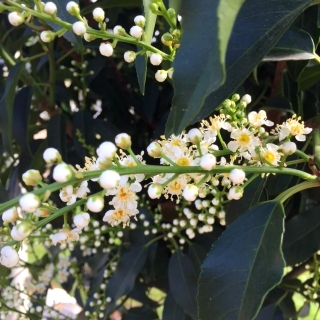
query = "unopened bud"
x=10 y=215
x=136 y=32
x=161 y=75
x=140 y=21
x=155 y=59
x=237 y=176
x=62 y=172
x=190 y=192
x=235 y=193
x=81 y=220
x=118 y=30
x=95 y=203
x=51 y=156
x=50 y=8
x=289 y=148
x=129 y=56
x=123 y=141
x=208 y=161
x=154 y=150
x=166 y=39
x=107 y=150
x=79 y=28
x=29 y=202
x=47 y=36
x=9 y=257
x=106 y=49
x=109 y=179
x=98 y=14
x=155 y=190
x=22 y=230
x=194 y=135
x=73 y=8
x=15 y=18
x=42 y=212
x=32 y=177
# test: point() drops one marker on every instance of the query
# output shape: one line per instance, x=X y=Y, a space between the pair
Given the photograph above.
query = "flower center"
x=269 y=156
x=183 y=161
x=119 y=214
x=244 y=139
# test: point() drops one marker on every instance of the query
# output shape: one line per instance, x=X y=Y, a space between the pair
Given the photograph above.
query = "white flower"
x=161 y=75
x=47 y=36
x=123 y=141
x=62 y=172
x=289 y=148
x=235 y=193
x=107 y=150
x=270 y=154
x=237 y=176
x=15 y=18
x=259 y=119
x=208 y=161
x=21 y=230
x=121 y=215
x=42 y=212
x=136 y=32
x=155 y=190
x=118 y=30
x=29 y=202
x=246 y=98
x=194 y=135
x=73 y=8
x=190 y=192
x=106 y=49
x=140 y=21
x=155 y=59
x=129 y=56
x=244 y=140
x=65 y=235
x=125 y=195
x=109 y=179
x=50 y=8
x=95 y=203
x=81 y=220
x=98 y=14
x=9 y=257
x=51 y=155
x=31 y=177
x=10 y=215
x=79 y=28
x=154 y=150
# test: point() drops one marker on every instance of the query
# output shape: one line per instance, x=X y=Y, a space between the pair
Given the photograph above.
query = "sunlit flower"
x=270 y=154
x=121 y=215
x=65 y=235
x=244 y=140
x=258 y=119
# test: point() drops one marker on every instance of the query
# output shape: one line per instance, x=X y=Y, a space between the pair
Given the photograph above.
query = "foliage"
x=206 y=254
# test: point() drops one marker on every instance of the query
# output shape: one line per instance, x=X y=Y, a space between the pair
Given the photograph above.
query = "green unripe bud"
x=166 y=39
x=172 y=15
x=235 y=97
x=242 y=105
x=154 y=8
x=226 y=103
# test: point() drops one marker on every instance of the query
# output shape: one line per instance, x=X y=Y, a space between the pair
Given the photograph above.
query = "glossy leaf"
x=295 y=44
x=172 y=310
x=7 y=106
x=272 y=312
x=141 y=61
x=296 y=67
x=302 y=236
x=308 y=77
x=258 y=27
x=248 y=249
x=183 y=283
x=199 y=62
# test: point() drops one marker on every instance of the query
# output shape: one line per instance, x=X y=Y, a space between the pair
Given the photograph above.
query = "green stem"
x=302 y=155
x=168 y=159
x=224 y=146
x=250 y=180
x=290 y=163
x=36 y=56
x=316 y=146
x=165 y=15
x=138 y=163
x=295 y=189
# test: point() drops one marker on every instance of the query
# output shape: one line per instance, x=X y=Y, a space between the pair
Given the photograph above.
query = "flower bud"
x=79 y=28
x=161 y=75
x=190 y=192
x=42 y=212
x=288 y=148
x=107 y=150
x=246 y=98
x=89 y=37
x=95 y=203
x=73 y=8
x=62 y=172
x=154 y=150
x=170 y=73
x=103 y=163
x=31 y=177
x=235 y=193
x=21 y=230
x=41 y=5
x=154 y=8
x=140 y=21
x=119 y=31
x=155 y=59
x=106 y=49
x=129 y=56
x=47 y=36
x=98 y=14
x=237 y=176
x=81 y=220
x=208 y=162
x=10 y=215
x=51 y=155
x=194 y=135
x=109 y=179
x=50 y=8
x=29 y=202
x=167 y=39
x=136 y=32
x=235 y=97
x=155 y=190
x=9 y=257
x=123 y=141
x=15 y=18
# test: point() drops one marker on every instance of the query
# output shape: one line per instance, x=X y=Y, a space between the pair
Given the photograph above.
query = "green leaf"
x=199 y=62
x=302 y=236
x=141 y=61
x=290 y=92
x=295 y=44
x=308 y=77
x=140 y=313
x=106 y=4
x=7 y=106
x=171 y=310
x=272 y=312
x=296 y=67
x=183 y=283
x=258 y=27
x=244 y=264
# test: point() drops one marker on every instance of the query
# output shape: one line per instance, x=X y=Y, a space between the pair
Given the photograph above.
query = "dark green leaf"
x=280 y=103
x=290 y=92
x=272 y=312
x=7 y=106
x=171 y=310
x=250 y=198
x=244 y=264
x=302 y=236
x=141 y=69
x=22 y=104
x=183 y=283
x=295 y=68
x=64 y=15
x=199 y=62
x=140 y=313
x=111 y=4
x=308 y=77
x=258 y=27
x=295 y=44
x=197 y=254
